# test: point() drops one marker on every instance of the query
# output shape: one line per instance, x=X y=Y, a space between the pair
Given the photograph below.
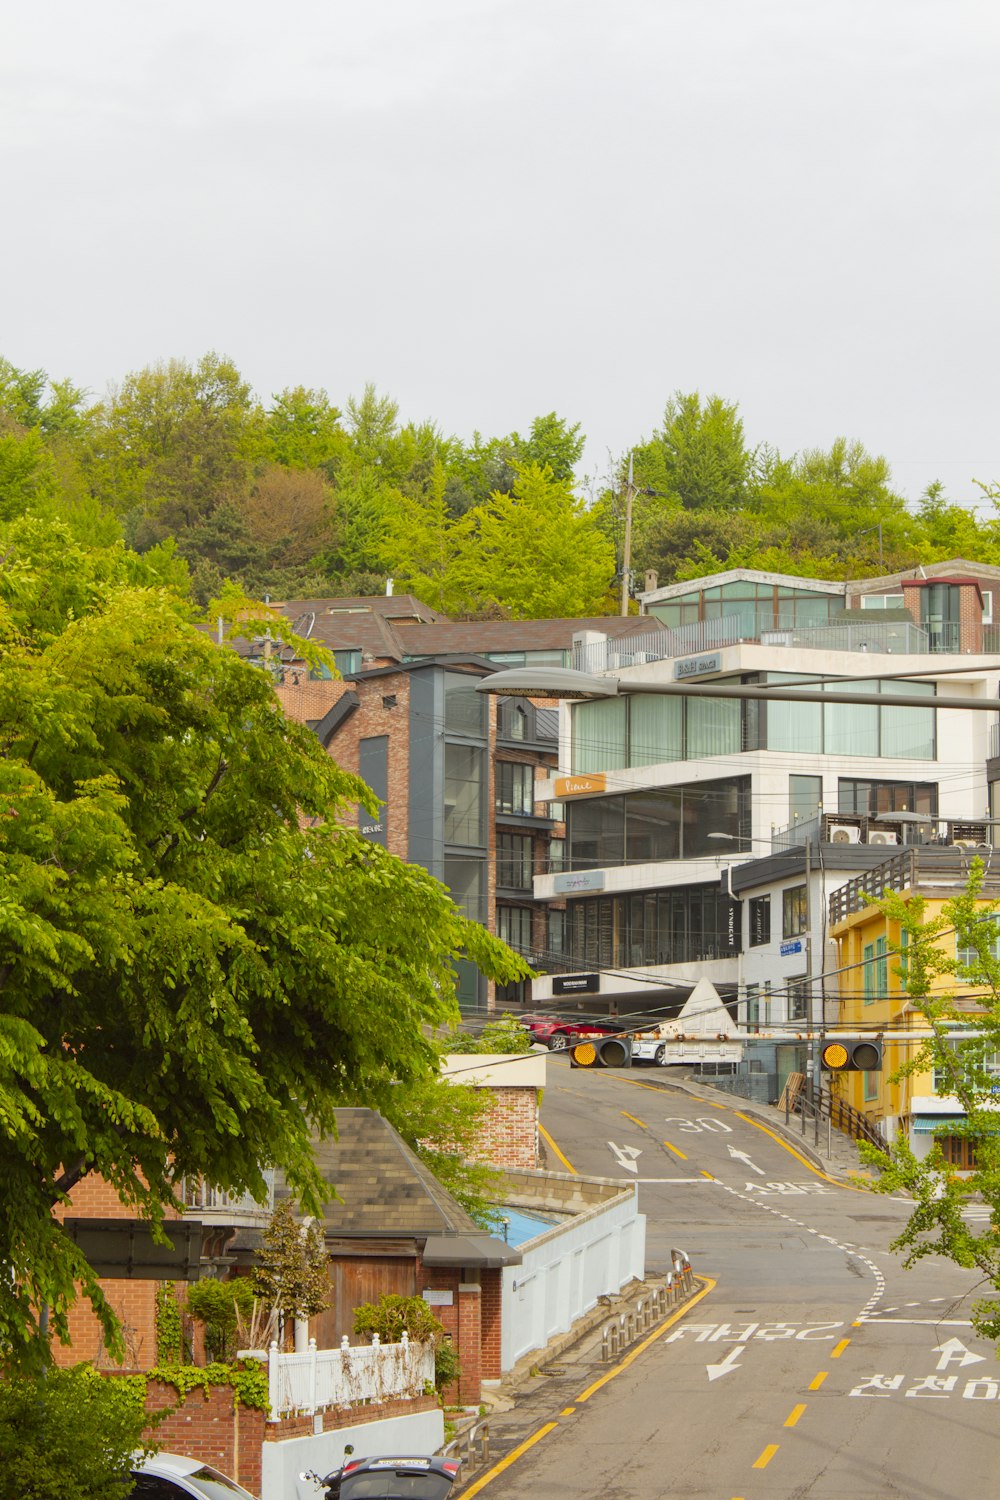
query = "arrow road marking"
x=724 y=1366
x=953 y=1351
x=742 y=1156
x=625 y=1156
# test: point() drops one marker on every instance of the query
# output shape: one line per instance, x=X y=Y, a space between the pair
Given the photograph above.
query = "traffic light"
x=851 y=1057
x=601 y=1052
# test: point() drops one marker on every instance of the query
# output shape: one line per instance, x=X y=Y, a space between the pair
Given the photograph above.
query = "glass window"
x=595 y=833
x=852 y=728
x=681 y=926
x=753 y=1007
x=871 y=797
x=656 y=729
x=598 y=735
x=868 y=972
x=464 y=708
x=464 y=771
x=556 y=927
x=871 y=1086
x=463 y=875
x=515 y=788
x=805 y=794
x=986 y=940
x=883 y=601
x=713 y=727
x=514 y=861
x=514 y=926
x=794 y=911
x=798 y=999
x=760 y=921
x=652 y=826
x=793 y=726
x=881 y=968
x=517 y=726
x=910 y=733
x=557 y=856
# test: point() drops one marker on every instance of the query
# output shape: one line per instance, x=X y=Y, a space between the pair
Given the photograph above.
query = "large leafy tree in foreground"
x=197 y=964
x=952 y=974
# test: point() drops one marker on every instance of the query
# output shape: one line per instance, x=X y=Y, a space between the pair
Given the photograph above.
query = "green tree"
x=699 y=457
x=198 y=963
x=947 y=956
x=290 y=1273
x=73 y=1433
x=173 y=442
x=304 y=431
x=534 y=553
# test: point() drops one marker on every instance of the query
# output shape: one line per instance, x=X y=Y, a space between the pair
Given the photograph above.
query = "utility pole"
x=627 y=549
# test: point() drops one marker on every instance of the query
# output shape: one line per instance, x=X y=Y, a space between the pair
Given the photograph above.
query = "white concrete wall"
x=496 y=1070
x=420 y=1433
x=564 y=1271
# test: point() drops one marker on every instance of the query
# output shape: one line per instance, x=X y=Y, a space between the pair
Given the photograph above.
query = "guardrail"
x=620 y=1332
x=471 y=1447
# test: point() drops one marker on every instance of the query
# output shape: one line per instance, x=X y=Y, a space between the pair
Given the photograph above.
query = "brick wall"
x=133 y=1300
x=207 y=1426
x=490 y=1318
x=510 y=1131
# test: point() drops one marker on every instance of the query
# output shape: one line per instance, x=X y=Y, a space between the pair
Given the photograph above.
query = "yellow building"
x=868 y=995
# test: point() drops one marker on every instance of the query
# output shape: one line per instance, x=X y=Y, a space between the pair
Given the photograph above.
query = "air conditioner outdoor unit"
x=884 y=836
x=844 y=833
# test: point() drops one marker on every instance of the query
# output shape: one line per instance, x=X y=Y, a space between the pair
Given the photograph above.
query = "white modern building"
x=667 y=798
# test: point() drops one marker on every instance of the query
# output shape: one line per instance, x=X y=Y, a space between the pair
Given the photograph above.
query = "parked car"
x=649 y=1047
x=171 y=1476
x=558 y=1033
x=423 y=1478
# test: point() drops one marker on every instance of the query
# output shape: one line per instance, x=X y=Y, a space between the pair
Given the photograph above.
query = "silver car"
x=171 y=1476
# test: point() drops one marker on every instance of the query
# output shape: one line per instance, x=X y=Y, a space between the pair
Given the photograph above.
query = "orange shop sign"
x=579 y=786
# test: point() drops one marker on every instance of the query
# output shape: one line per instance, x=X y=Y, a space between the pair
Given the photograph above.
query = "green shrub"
x=71 y=1433
x=219 y=1306
x=393 y=1313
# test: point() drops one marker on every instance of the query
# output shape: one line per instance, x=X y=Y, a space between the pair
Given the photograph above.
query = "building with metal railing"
x=667 y=797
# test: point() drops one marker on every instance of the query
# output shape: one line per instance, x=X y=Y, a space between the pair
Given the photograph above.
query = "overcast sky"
x=498 y=208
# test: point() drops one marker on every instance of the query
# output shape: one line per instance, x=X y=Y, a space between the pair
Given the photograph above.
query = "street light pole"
x=627 y=547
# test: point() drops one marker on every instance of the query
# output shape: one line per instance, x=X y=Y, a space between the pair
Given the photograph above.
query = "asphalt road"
x=813 y=1365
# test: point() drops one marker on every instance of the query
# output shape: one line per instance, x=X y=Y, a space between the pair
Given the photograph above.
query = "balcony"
x=928 y=868
x=214 y=1206
x=875 y=635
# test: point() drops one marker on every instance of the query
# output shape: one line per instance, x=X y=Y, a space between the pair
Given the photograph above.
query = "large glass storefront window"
x=645 y=928
x=642 y=827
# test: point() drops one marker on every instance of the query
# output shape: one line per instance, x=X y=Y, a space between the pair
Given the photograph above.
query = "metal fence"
x=648 y=1310
x=353 y=1375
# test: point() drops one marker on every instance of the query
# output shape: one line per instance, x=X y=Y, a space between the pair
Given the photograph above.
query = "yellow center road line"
x=794 y=1415
x=550 y=1142
x=766 y=1456
x=567 y=1411
x=505 y=1463
x=798 y=1155
x=633 y=1354
x=818 y=1380
x=838 y=1349
x=709 y=1175
x=676 y=1150
x=634 y=1120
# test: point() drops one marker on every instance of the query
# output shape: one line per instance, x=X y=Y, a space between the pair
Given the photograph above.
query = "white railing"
x=353 y=1375
x=214 y=1205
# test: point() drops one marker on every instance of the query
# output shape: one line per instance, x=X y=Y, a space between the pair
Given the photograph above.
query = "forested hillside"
x=294 y=496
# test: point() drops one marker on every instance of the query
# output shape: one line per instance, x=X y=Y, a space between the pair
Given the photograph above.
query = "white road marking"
x=953 y=1351
x=625 y=1156
x=726 y=1365
x=742 y=1156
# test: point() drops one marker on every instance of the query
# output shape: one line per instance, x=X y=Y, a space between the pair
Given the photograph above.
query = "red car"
x=557 y=1033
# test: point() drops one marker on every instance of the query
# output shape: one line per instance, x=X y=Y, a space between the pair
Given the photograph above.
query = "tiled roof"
x=383 y=1189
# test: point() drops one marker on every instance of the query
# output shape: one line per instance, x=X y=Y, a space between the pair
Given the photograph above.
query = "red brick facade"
x=510 y=1136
